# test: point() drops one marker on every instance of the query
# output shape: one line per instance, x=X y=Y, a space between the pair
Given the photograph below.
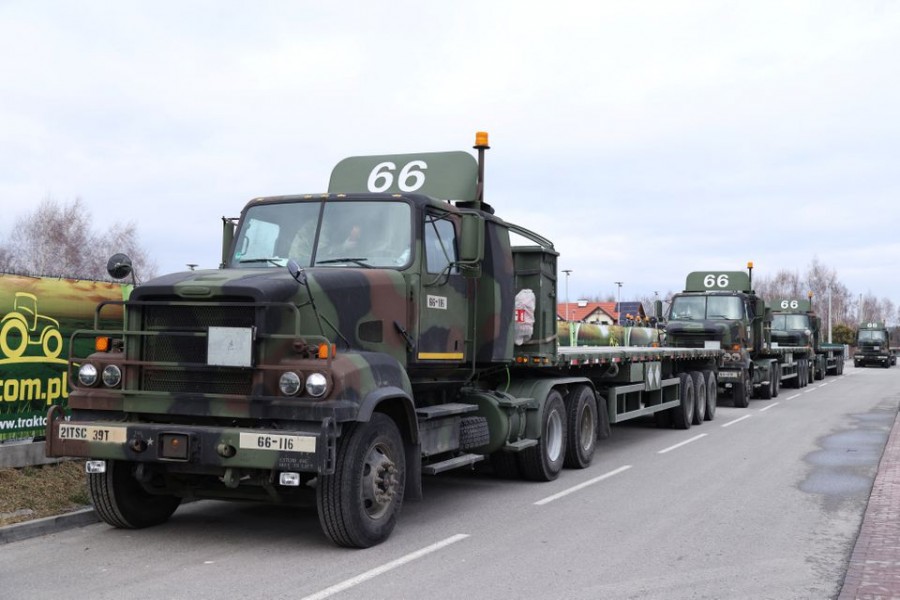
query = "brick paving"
x=874 y=570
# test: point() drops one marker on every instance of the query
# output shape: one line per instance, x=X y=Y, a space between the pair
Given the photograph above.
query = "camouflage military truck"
x=351 y=343
x=873 y=346
x=721 y=310
x=796 y=325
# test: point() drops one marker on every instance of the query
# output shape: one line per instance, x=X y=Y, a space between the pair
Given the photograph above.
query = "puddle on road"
x=845 y=466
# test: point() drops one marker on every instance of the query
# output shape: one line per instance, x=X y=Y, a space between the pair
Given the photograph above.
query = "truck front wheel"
x=712 y=394
x=121 y=501
x=740 y=391
x=359 y=504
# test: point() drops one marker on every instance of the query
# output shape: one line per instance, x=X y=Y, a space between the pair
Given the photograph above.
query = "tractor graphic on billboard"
x=25 y=326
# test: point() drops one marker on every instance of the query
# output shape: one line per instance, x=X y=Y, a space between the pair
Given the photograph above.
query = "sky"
x=646 y=140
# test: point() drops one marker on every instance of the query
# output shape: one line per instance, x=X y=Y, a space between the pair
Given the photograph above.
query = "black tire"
x=359 y=504
x=683 y=414
x=712 y=394
x=120 y=500
x=801 y=374
x=820 y=370
x=740 y=391
x=765 y=391
x=506 y=465
x=581 y=426
x=699 y=398
x=544 y=461
x=776 y=383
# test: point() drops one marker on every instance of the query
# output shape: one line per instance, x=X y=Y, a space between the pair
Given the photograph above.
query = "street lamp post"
x=619 y=301
x=567 y=272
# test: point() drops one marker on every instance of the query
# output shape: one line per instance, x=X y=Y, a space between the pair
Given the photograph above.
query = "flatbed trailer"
x=637 y=382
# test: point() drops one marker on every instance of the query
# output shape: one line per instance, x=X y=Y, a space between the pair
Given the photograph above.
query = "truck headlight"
x=289 y=383
x=316 y=384
x=87 y=374
x=112 y=376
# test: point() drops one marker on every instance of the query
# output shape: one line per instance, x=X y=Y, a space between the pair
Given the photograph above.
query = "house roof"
x=579 y=311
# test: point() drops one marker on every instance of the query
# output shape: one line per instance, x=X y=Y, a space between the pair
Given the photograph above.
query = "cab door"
x=443 y=304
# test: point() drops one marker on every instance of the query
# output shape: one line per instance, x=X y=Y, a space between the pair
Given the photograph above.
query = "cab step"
x=463 y=460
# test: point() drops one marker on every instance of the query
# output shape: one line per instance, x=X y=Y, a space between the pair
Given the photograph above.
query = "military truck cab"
x=873 y=346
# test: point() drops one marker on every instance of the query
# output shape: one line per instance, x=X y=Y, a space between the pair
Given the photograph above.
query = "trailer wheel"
x=841 y=365
x=544 y=461
x=359 y=504
x=699 y=398
x=121 y=501
x=712 y=394
x=581 y=425
x=683 y=414
x=777 y=386
x=740 y=391
x=820 y=370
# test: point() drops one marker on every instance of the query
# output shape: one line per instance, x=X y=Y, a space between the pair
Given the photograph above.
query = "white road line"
x=729 y=423
x=354 y=581
x=792 y=397
x=774 y=404
x=549 y=499
x=693 y=439
x=823 y=384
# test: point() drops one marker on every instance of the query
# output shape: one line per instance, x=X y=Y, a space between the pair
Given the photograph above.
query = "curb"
x=47 y=525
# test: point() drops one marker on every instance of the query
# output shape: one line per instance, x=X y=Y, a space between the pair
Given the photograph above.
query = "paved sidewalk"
x=874 y=570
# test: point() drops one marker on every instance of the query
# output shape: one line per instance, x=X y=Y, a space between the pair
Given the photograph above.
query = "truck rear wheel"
x=544 y=461
x=121 y=501
x=581 y=425
x=712 y=394
x=699 y=398
x=359 y=504
x=683 y=414
x=740 y=391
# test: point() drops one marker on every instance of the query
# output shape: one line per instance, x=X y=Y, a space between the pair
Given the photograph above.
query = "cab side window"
x=440 y=244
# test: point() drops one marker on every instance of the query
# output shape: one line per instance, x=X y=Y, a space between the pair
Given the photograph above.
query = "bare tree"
x=58 y=240
x=785 y=284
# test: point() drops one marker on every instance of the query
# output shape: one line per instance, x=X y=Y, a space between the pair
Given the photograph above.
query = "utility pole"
x=567 y=272
x=829 y=314
x=619 y=301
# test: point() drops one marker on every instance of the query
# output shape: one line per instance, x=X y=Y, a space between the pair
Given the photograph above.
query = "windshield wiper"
x=277 y=261
x=356 y=261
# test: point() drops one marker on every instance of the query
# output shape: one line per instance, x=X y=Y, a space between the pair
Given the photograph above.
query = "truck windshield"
x=707 y=308
x=789 y=322
x=344 y=233
x=869 y=335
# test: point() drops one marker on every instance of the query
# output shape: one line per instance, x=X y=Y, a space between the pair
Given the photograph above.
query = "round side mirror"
x=119 y=266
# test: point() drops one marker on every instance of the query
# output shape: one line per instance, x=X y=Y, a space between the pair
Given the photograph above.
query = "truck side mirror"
x=228 y=227
x=119 y=266
x=471 y=244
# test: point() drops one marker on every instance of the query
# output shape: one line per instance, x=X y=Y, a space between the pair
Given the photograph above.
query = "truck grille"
x=691 y=340
x=181 y=338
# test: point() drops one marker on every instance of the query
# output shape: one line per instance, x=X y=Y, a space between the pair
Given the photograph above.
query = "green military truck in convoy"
x=873 y=346
x=720 y=310
x=796 y=325
x=350 y=343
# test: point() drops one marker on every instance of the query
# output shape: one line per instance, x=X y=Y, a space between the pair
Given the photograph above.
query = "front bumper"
x=308 y=448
